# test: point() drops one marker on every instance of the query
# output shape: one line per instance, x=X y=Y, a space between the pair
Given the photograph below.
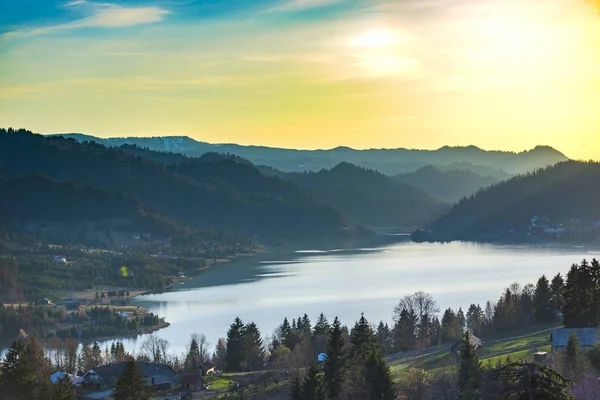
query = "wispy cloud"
x=299 y=5
x=101 y=15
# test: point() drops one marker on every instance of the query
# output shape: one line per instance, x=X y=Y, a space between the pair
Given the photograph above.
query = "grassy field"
x=517 y=345
x=218 y=382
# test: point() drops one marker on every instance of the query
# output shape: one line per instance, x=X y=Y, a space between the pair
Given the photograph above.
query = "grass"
x=218 y=382
x=518 y=345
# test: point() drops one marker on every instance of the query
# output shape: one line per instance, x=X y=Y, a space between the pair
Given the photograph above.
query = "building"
x=475 y=342
x=208 y=368
x=588 y=337
x=191 y=382
x=100 y=380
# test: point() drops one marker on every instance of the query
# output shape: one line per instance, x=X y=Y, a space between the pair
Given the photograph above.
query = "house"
x=208 y=368
x=101 y=379
x=559 y=337
x=60 y=260
x=475 y=342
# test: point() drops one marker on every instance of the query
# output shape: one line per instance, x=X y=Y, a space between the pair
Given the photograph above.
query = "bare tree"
x=203 y=346
x=420 y=303
x=154 y=349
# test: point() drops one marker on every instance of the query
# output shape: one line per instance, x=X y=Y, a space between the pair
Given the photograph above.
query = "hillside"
x=446 y=185
x=386 y=161
x=369 y=198
x=64 y=212
x=558 y=202
x=271 y=208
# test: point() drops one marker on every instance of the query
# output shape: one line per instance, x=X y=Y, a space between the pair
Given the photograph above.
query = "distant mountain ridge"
x=386 y=161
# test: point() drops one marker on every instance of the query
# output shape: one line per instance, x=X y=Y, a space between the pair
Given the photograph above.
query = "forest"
x=561 y=195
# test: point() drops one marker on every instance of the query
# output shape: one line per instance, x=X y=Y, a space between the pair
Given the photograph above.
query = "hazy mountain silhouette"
x=387 y=161
x=446 y=185
x=367 y=197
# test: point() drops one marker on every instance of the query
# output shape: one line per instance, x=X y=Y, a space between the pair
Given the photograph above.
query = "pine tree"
x=130 y=384
x=572 y=359
x=254 y=351
x=469 y=375
x=192 y=359
x=322 y=326
x=377 y=377
x=542 y=301
x=362 y=340
x=557 y=288
x=12 y=380
x=335 y=362
x=313 y=387
x=383 y=337
x=63 y=389
x=235 y=346
x=531 y=381
x=296 y=390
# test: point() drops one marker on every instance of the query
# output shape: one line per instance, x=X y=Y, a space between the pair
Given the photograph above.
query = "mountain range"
x=499 y=164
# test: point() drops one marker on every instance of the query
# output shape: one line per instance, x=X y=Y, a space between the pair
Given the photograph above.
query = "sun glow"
x=376 y=38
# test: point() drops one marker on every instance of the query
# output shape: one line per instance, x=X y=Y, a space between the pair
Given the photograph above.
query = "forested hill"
x=370 y=198
x=555 y=202
x=387 y=161
x=191 y=195
x=364 y=196
x=37 y=199
x=446 y=185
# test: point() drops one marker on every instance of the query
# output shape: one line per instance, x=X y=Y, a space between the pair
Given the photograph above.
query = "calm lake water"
x=345 y=283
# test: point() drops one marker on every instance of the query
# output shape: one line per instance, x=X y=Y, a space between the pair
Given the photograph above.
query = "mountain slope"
x=564 y=196
x=38 y=204
x=369 y=198
x=184 y=198
x=449 y=186
x=387 y=161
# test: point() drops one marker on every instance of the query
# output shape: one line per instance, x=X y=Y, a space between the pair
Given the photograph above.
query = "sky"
x=498 y=74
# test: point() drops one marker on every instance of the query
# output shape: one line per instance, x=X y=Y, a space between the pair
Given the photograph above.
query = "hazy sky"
x=499 y=74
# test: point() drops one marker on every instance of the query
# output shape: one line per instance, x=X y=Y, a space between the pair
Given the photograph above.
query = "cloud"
x=102 y=15
x=299 y=5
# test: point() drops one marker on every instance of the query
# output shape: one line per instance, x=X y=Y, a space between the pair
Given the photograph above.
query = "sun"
x=375 y=38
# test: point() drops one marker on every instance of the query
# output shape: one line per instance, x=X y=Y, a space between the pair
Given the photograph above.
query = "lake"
x=345 y=283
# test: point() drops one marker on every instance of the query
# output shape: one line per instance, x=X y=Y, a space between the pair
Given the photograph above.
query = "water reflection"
x=347 y=282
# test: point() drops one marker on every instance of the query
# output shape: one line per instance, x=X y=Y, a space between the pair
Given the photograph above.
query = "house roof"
x=207 y=365
x=112 y=371
x=474 y=340
x=587 y=336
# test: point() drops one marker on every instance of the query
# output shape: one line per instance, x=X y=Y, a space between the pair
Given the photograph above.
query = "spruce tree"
x=542 y=301
x=377 y=377
x=322 y=326
x=192 y=359
x=130 y=384
x=557 y=288
x=235 y=346
x=12 y=380
x=313 y=387
x=530 y=381
x=63 y=389
x=296 y=387
x=254 y=351
x=335 y=362
x=469 y=374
